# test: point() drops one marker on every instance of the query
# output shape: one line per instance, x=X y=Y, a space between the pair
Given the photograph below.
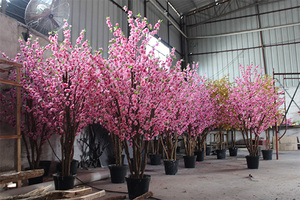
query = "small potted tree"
x=232 y=149
x=201 y=145
x=267 y=153
x=199 y=113
x=220 y=94
x=155 y=155
x=118 y=171
x=254 y=105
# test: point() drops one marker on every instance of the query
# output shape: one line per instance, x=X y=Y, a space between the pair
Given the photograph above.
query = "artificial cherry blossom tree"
x=136 y=90
x=254 y=105
x=199 y=109
x=220 y=96
x=68 y=80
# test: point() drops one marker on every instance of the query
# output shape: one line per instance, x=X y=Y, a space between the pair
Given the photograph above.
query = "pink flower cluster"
x=253 y=101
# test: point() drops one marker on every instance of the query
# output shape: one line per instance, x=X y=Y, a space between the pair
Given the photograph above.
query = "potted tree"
x=155 y=155
x=67 y=81
x=232 y=149
x=254 y=107
x=199 y=113
x=220 y=94
x=118 y=171
x=136 y=80
x=201 y=145
x=268 y=152
x=176 y=122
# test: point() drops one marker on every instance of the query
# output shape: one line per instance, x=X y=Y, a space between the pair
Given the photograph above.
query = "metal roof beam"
x=233 y=11
x=211 y=5
x=167 y=17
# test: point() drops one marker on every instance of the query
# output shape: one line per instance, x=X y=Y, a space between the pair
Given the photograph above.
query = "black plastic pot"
x=35 y=180
x=208 y=150
x=63 y=182
x=137 y=187
x=45 y=164
x=189 y=161
x=155 y=159
x=200 y=155
x=267 y=154
x=118 y=173
x=171 y=167
x=221 y=153
x=233 y=151
x=252 y=162
x=73 y=167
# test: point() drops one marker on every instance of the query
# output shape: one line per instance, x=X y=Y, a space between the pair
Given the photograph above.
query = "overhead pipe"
x=168 y=18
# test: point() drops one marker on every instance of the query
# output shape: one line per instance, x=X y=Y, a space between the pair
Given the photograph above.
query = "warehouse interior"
x=218 y=35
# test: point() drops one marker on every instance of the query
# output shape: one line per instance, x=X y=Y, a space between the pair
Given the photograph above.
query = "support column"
x=185 y=50
x=261 y=40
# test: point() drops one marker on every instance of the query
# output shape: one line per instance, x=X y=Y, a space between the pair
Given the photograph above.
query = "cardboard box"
x=286 y=143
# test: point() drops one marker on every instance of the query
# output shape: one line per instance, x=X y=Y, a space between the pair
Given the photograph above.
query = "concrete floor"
x=215 y=179
x=212 y=179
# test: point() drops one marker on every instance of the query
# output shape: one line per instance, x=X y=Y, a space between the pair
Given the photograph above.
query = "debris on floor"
x=252 y=178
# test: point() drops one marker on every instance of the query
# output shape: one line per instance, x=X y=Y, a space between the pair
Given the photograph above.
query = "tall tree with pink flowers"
x=254 y=105
x=137 y=90
x=67 y=87
x=199 y=108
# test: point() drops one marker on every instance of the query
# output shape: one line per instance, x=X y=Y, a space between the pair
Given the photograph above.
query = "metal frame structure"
x=286 y=109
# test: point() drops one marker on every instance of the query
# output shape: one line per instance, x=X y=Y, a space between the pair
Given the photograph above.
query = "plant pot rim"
x=189 y=156
x=115 y=165
x=170 y=160
x=146 y=176
x=251 y=156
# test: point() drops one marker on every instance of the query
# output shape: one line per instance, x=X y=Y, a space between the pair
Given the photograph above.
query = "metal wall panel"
x=91 y=16
x=219 y=56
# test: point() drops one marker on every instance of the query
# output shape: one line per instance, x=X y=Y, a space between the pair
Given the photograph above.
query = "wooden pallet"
x=81 y=193
x=18 y=176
